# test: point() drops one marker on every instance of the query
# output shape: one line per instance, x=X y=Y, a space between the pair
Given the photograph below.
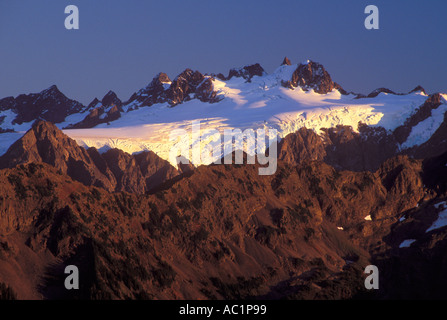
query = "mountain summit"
x=50 y=104
x=312 y=75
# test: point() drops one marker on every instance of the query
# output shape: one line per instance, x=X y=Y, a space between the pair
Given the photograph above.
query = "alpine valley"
x=361 y=180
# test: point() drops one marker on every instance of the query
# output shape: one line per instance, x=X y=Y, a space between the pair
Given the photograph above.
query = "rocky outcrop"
x=341 y=147
x=364 y=150
x=312 y=75
x=247 y=72
x=111 y=99
x=104 y=111
x=418 y=89
x=190 y=85
x=301 y=146
x=186 y=86
x=286 y=62
x=153 y=93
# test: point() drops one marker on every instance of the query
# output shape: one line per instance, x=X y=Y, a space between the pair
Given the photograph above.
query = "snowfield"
x=260 y=103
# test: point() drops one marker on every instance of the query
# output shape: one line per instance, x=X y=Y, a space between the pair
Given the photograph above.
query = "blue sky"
x=121 y=44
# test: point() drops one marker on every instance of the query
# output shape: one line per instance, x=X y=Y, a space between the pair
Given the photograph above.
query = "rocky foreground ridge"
x=218 y=231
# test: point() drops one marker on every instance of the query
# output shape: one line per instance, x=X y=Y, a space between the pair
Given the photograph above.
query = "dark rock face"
x=93 y=104
x=376 y=92
x=312 y=76
x=205 y=92
x=50 y=105
x=301 y=146
x=365 y=150
x=341 y=147
x=104 y=111
x=220 y=76
x=154 y=92
x=114 y=170
x=111 y=99
x=247 y=72
x=186 y=86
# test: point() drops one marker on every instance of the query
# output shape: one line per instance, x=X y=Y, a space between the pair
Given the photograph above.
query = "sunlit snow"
x=261 y=103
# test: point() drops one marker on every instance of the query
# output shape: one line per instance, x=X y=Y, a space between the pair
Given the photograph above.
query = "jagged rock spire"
x=286 y=62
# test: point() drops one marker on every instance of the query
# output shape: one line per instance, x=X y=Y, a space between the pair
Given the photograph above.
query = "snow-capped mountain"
x=108 y=109
x=294 y=96
x=50 y=105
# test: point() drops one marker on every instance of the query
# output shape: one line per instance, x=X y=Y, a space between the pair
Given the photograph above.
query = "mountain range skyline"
x=292 y=97
x=120 y=46
x=128 y=98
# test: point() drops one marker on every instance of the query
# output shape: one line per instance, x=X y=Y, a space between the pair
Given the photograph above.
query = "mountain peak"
x=49 y=104
x=159 y=80
x=40 y=125
x=418 y=89
x=53 y=88
x=190 y=75
x=52 y=91
x=111 y=99
x=93 y=103
x=378 y=91
x=110 y=94
x=286 y=62
x=45 y=143
x=312 y=75
x=163 y=77
x=183 y=86
x=247 y=72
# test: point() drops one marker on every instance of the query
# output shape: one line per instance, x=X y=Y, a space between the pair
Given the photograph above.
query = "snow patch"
x=368 y=217
x=440 y=204
x=406 y=243
x=440 y=222
x=423 y=131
